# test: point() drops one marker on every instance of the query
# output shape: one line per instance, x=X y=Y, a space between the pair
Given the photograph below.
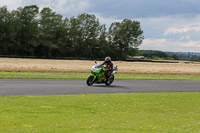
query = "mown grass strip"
x=113 y=113
x=47 y=75
x=42 y=75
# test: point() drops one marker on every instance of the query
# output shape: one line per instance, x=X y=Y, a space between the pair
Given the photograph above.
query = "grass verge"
x=47 y=75
x=113 y=113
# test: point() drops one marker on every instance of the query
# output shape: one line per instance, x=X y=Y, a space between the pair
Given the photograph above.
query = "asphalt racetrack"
x=19 y=87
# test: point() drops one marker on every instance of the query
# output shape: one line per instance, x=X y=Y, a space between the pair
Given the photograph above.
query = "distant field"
x=83 y=66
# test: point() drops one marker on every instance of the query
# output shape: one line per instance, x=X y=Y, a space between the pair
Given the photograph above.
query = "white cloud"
x=11 y=4
x=183 y=25
x=182 y=29
x=154 y=44
x=108 y=21
x=64 y=7
x=190 y=44
x=72 y=7
x=183 y=38
x=167 y=45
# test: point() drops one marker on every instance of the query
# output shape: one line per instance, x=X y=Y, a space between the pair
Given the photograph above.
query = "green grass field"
x=46 y=75
x=103 y=113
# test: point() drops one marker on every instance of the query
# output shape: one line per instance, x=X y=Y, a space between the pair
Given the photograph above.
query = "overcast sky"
x=168 y=25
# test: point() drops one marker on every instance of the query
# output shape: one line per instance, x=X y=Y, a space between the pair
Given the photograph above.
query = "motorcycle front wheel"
x=90 y=80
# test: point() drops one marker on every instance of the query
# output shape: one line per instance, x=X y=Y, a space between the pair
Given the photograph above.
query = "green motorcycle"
x=98 y=75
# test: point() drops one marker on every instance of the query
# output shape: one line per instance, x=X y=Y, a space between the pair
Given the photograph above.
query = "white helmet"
x=108 y=59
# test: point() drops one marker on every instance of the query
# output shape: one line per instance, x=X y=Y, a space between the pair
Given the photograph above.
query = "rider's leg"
x=108 y=74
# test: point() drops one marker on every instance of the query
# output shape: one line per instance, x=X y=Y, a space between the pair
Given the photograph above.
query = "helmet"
x=108 y=59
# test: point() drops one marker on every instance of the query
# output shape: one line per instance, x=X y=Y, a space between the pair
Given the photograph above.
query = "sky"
x=168 y=25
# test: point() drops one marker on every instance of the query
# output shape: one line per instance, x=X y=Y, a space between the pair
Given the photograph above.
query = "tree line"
x=29 y=31
x=162 y=55
x=157 y=55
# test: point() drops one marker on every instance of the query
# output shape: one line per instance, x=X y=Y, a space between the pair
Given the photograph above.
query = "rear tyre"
x=110 y=80
x=90 y=80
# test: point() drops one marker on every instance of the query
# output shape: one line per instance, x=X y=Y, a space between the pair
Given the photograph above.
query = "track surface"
x=18 y=87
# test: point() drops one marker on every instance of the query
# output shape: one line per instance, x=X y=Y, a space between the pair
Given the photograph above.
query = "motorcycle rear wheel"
x=110 y=80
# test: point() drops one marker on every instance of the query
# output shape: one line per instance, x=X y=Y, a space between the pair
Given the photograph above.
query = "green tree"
x=27 y=28
x=10 y=29
x=63 y=38
x=125 y=37
x=153 y=54
x=175 y=57
x=84 y=31
x=50 y=32
x=4 y=20
x=101 y=48
x=28 y=32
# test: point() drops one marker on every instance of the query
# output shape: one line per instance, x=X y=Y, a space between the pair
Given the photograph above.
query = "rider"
x=109 y=66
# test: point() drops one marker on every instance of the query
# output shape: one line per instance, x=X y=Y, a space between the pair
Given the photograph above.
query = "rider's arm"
x=111 y=66
x=103 y=63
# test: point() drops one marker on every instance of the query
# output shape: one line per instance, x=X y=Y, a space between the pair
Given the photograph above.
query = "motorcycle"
x=98 y=75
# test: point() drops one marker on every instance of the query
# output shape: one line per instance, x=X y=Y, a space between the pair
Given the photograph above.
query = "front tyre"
x=90 y=80
x=110 y=80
